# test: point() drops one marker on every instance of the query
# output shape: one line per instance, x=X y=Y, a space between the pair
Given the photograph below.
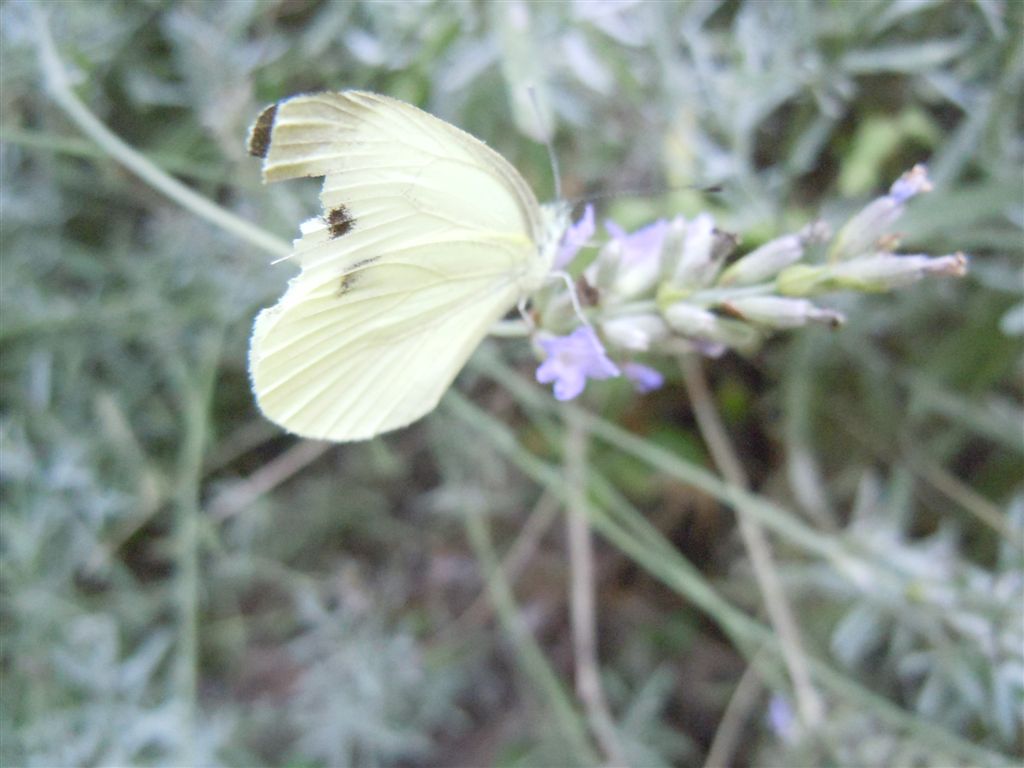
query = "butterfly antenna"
x=552 y=157
x=713 y=189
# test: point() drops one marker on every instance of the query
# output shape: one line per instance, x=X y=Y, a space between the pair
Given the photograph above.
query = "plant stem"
x=243 y=493
x=582 y=589
x=57 y=83
x=194 y=393
x=530 y=655
x=516 y=558
x=756 y=543
x=729 y=730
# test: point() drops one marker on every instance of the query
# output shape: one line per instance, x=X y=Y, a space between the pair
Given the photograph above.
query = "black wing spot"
x=259 y=134
x=340 y=221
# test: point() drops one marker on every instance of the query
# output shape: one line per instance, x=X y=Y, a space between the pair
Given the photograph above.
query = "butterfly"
x=426 y=239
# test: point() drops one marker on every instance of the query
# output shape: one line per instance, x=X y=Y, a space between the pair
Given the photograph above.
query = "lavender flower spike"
x=571 y=360
x=575 y=237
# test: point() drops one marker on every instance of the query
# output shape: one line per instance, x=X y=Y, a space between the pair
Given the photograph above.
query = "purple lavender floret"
x=642 y=245
x=570 y=360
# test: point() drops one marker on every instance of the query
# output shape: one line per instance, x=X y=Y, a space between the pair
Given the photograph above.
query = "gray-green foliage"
x=181 y=587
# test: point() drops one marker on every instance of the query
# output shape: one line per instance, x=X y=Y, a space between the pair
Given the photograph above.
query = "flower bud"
x=764 y=262
x=860 y=235
x=601 y=273
x=690 y=320
x=695 y=256
x=779 y=312
x=635 y=332
x=771 y=258
x=886 y=271
x=913 y=182
x=697 y=323
x=675 y=235
x=882 y=272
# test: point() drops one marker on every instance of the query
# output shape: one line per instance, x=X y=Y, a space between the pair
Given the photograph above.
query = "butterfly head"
x=555 y=220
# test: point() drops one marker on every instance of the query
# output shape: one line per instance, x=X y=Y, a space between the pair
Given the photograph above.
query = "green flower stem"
x=582 y=597
x=730 y=730
x=75 y=147
x=513 y=563
x=59 y=87
x=780 y=612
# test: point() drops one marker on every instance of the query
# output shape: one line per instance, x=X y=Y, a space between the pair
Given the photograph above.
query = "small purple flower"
x=575 y=237
x=629 y=264
x=645 y=379
x=571 y=360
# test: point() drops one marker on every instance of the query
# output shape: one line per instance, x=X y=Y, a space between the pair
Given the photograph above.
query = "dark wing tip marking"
x=339 y=221
x=259 y=134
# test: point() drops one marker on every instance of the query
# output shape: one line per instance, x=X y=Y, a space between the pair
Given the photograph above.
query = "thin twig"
x=937 y=477
x=248 y=437
x=237 y=497
x=956 y=490
x=195 y=395
x=512 y=564
x=525 y=646
x=58 y=84
x=756 y=543
x=730 y=727
x=582 y=588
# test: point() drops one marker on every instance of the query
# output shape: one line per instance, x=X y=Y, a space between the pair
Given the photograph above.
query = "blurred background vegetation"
x=184 y=584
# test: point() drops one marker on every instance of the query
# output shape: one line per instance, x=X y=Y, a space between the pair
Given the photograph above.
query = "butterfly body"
x=428 y=237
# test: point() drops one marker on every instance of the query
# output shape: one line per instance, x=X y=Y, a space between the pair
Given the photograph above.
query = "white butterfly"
x=428 y=237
